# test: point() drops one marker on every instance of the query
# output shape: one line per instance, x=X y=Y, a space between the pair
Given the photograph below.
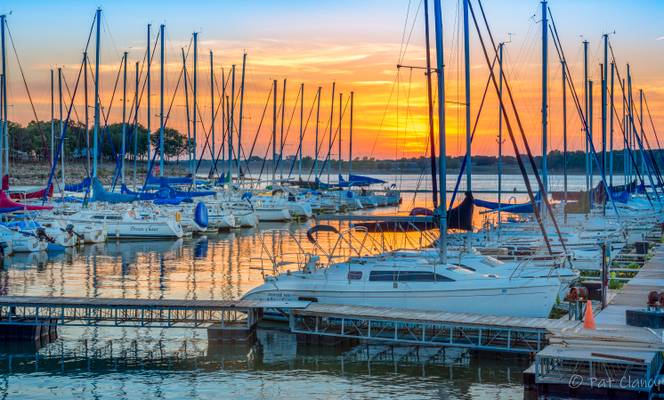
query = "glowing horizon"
x=355 y=45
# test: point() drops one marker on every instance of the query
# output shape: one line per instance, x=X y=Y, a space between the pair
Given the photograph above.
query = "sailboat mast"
x=442 y=161
x=224 y=120
x=62 y=127
x=241 y=116
x=350 y=136
x=231 y=125
x=53 y=119
x=195 y=105
x=135 y=135
x=5 y=124
x=186 y=107
x=161 y=100
x=605 y=77
x=643 y=159
x=281 y=134
x=341 y=97
x=124 y=118
x=432 y=139
x=87 y=119
x=585 y=107
x=274 y=130
x=500 y=129
x=212 y=143
x=545 y=81
x=316 y=135
x=564 y=79
x=148 y=112
x=466 y=54
x=95 y=137
x=613 y=66
x=590 y=127
x=329 y=151
x=299 y=161
x=626 y=165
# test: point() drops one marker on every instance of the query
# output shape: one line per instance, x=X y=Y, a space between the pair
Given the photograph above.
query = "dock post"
x=605 y=276
x=232 y=329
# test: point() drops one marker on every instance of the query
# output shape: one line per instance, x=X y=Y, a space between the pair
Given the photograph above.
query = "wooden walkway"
x=92 y=302
x=634 y=294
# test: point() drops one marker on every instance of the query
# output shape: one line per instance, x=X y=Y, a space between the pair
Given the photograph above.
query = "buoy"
x=589 y=318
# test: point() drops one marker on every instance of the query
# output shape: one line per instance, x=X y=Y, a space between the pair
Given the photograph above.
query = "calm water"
x=126 y=363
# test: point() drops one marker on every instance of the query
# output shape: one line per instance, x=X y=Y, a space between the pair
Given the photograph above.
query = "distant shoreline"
x=36 y=173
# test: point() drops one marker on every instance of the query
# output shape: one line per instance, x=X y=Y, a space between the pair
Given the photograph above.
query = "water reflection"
x=276 y=358
x=122 y=363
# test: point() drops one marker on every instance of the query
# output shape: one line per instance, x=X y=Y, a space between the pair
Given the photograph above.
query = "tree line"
x=33 y=141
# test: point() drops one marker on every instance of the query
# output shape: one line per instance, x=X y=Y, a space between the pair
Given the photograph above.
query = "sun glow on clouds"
x=390 y=114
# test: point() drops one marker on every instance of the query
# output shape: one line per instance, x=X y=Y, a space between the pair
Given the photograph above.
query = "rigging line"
x=394 y=81
x=543 y=189
x=645 y=101
x=260 y=125
x=45 y=149
x=624 y=98
x=224 y=129
x=57 y=155
x=166 y=118
x=49 y=183
x=334 y=138
x=579 y=109
x=290 y=122
x=64 y=80
x=304 y=131
x=508 y=125
x=410 y=34
x=659 y=147
x=647 y=145
x=472 y=136
x=258 y=129
x=71 y=99
x=321 y=140
x=405 y=26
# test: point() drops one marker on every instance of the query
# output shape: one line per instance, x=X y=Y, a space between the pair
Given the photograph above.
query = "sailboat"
x=419 y=282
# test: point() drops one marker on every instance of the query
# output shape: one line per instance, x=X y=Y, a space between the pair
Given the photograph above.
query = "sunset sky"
x=356 y=44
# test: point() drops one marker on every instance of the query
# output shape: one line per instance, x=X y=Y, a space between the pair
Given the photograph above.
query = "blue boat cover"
x=359 y=180
x=78 y=187
x=100 y=194
x=9 y=209
x=166 y=192
x=201 y=214
x=620 y=197
x=522 y=208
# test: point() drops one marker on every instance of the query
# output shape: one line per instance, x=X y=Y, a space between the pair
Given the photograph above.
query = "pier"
x=561 y=349
x=225 y=320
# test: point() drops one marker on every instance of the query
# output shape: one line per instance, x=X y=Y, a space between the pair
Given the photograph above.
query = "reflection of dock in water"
x=274 y=351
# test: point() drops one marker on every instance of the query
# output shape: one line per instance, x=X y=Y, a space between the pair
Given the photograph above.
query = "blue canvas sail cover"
x=516 y=208
x=100 y=194
x=78 y=187
x=166 y=192
x=359 y=180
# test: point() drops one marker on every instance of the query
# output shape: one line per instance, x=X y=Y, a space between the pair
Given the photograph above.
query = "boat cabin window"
x=382 y=276
x=354 y=275
x=461 y=267
x=407 y=276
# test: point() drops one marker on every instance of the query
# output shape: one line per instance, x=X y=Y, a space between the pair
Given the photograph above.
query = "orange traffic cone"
x=589 y=318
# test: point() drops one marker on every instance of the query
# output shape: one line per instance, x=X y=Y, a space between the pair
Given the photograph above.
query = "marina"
x=314 y=204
